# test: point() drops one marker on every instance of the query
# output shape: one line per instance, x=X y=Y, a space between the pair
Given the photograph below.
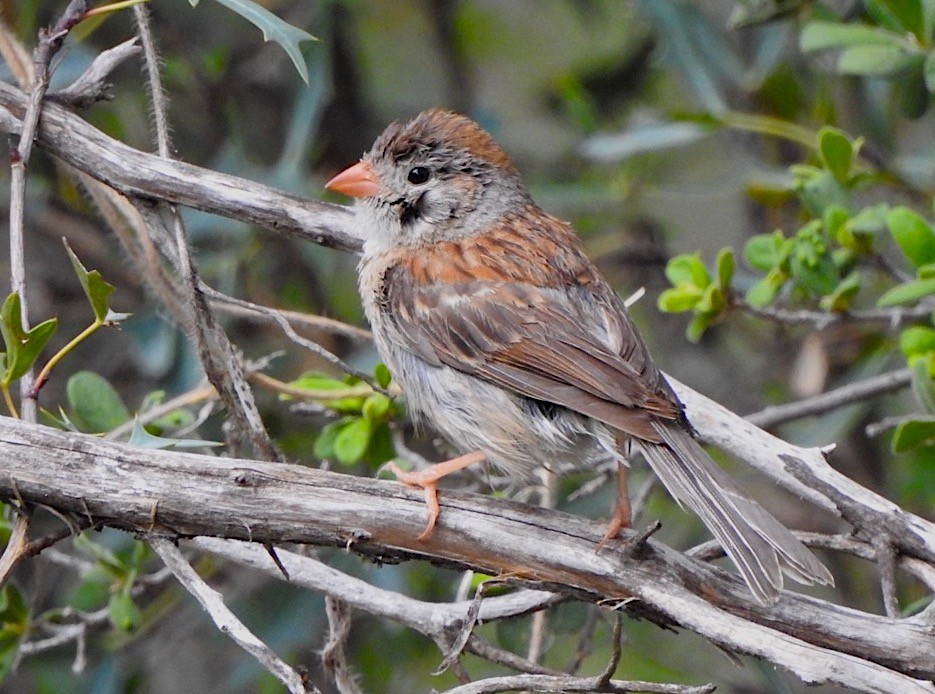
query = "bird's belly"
x=515 y=434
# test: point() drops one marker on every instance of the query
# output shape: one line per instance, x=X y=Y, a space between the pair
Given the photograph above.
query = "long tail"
x=760 y=546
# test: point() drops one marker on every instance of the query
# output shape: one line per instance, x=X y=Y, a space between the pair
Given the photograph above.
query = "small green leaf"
x=324 y=444
x=107 y=560
x=917 y=340
x=836 y=152
x=929 y=72
x=697 y=326
x=907 y=12
x=351 y=442
x=382 y=374
x=312 y=380
x=876 y=61
x=687 y=269
x=95 y=288
x=907 y=293
x=95 y=405
x=923 y=387
x=763 y=251
x=840 y=298
x=764 y=292
x=22 y=346
x=376 y=407
x=925 y=272
x=819 y=35
x=142 y=438
x=680 y=299
x=913 y=234
x=14 y=625
x=725 y=268
x=712 y=301
x=914 y=434
x=123 y=612
x=381 y=447
x=273 y=28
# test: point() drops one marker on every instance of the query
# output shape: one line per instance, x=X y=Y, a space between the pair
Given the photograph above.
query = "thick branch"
x=188 y=495
x=136 y=173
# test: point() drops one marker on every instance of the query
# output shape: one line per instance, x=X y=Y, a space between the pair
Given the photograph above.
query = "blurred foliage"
x=740 y=159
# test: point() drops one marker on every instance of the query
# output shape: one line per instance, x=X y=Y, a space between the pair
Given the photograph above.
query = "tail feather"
x=759 y=545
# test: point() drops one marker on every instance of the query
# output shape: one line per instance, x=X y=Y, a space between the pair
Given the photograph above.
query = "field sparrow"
x=505 y=336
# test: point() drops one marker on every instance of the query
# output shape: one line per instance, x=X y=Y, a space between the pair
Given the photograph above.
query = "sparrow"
x=504 y=335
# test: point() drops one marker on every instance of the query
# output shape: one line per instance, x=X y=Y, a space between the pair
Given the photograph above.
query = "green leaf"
x=913 y=234
x=381 y=448
x=914 y=434
x=22 y=346
x=95 y=288
x=907 y=293
x=142 y=438
x=840 y=298
x=107 y=560
x=14 y=625
x=382 y=374
x=712 y=301
x=123 y=612
x=95 y=405
x=679 y=299
x=351 y=442
x=687 y=269
x=929 y=72
x=836 y=151
x=876 y=61
x=819 y=35
x=907 y=12
x=376 y=407
x=926 y=271
x=725 y=268
x=273 y=28
x=923 y=387
x=312 y=380
x=697 y=326
x=763 y=292
x=917 y=340
x=763 y=251
x=324 y=444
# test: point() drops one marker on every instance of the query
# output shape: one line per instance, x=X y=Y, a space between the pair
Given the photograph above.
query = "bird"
x=505 y=336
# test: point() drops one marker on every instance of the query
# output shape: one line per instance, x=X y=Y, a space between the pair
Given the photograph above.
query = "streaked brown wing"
x=551 y=344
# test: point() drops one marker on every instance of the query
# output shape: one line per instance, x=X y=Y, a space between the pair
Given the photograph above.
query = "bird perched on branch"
x=506 y=337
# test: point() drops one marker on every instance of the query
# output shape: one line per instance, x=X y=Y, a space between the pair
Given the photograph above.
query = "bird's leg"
x=623 y=514
x=428 y=480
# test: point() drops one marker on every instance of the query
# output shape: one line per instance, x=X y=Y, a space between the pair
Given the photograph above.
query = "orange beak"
x=359 y=181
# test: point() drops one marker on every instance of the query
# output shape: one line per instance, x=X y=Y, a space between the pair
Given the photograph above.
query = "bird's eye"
x=418 y=174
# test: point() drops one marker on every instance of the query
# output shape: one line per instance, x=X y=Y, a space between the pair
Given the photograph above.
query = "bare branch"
x=833 y=399
x=332 y=655
x=226 y=621
x=202 y=495
x=138 y=174
x=92 y=85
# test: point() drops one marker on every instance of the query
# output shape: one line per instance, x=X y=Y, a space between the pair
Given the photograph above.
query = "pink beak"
x=359 y=181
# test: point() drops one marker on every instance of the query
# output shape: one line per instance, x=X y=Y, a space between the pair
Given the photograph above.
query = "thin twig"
x=833 y=399
x=50 y=41
x=886 y=565
x=885 y=318
x=217 y=355
x=226 y=621
x=333 y=657
x=246 y=309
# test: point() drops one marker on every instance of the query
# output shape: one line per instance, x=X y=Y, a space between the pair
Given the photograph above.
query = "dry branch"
x=185 y=495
